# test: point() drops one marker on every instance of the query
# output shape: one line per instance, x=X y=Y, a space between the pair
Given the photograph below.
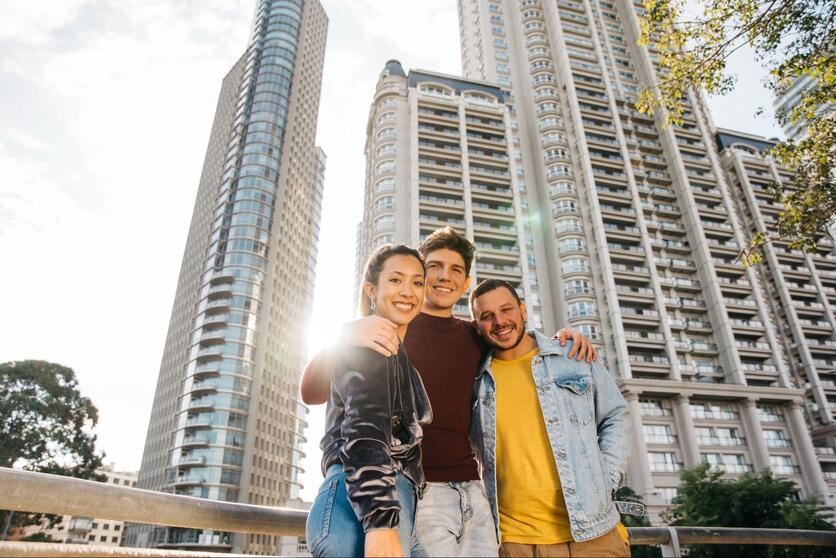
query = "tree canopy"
x=45 y=425
x=708 y=499
x=791 y=38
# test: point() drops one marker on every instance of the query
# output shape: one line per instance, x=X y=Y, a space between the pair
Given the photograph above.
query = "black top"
x=373 y=429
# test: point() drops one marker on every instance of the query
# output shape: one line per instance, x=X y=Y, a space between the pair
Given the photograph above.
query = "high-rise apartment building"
x=226 y=422
x=800 y=286
x=439 y=150
x=607 y=221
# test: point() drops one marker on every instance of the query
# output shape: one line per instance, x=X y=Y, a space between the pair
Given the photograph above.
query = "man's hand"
x=383 y=542
x=581 y=347
x=373 y=332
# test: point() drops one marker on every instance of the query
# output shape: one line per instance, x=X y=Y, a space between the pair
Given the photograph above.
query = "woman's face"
x=399 y=292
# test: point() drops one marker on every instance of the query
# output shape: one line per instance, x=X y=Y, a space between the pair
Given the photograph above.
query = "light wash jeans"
x=333 y=528
x=454 y=519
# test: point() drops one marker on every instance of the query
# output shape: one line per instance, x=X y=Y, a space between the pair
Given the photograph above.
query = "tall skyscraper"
x=226 y=422
x=610 y=222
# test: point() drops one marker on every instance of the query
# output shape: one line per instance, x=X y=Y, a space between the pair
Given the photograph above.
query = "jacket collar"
x=546 y=345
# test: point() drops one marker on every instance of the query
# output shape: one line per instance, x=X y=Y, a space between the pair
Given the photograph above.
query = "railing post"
x=671 y=549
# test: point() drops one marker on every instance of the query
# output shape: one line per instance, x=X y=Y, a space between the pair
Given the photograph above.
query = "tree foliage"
x=791 y=38
x=708 y=499
x=627 y=494
x=45 y=426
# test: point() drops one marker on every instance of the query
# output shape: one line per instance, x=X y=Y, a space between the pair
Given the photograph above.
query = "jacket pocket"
x=576 y=394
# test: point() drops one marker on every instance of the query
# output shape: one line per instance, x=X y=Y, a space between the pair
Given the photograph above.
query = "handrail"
x=27 y=491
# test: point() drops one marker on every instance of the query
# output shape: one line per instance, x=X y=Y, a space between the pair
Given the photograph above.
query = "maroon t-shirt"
x=447 y=353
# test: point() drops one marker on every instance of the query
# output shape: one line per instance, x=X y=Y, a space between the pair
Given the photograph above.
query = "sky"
x=105 y=113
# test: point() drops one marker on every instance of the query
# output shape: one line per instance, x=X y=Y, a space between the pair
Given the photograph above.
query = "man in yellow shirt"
x=551 y=438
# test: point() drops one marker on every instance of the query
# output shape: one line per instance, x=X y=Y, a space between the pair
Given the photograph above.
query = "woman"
x=371 y=453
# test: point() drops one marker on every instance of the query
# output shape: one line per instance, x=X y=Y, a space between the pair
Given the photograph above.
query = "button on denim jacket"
x=588 y=426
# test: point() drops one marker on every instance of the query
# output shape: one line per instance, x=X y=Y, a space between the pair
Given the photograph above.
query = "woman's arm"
x=367 y=431
x=316 y=379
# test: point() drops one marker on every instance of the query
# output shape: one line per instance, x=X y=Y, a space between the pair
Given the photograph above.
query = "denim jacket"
x=588 y=426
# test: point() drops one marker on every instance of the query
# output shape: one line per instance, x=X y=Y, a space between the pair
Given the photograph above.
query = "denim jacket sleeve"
x=364 y=387
x=613 y=425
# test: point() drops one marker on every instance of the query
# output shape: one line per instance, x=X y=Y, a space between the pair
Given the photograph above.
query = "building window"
x=582 y=310
x=564 y=206
x=590 y=331
x=578 y=286
x=554 y=154
x=386 y=202
x=570 y=245
x=658 y=434
x=567 y=225
x=775 y=439
x=574 y=265
x=654 y=408
x=385 y=185
x=381 y=240
x=663 y=462
x=782 y=465
x=384 y=222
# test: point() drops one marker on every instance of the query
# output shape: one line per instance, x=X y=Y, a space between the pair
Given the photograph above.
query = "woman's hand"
x=373 y=332
x=383 y=542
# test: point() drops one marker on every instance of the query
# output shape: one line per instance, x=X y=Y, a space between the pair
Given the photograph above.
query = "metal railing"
x=26 y=491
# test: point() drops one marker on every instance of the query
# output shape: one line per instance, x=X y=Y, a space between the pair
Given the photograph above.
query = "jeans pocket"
x=319 y=519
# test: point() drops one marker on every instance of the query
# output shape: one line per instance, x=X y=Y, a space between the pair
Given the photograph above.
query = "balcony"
x=191 y=461
x=195 y=441
x=656 y=467
x=714 y=415
x=720 y=441
x=660 y=439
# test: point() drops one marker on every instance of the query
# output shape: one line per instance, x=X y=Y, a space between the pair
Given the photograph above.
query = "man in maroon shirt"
x=454 y=516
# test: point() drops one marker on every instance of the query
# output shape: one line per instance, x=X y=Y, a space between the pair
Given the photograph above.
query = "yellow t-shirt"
x=530 y=498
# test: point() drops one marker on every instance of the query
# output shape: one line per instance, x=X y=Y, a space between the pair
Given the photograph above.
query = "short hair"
x=374 y=265
x=447 y=237
x=489 y=285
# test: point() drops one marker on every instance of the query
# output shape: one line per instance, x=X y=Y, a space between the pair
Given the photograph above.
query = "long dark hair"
x=374 y=265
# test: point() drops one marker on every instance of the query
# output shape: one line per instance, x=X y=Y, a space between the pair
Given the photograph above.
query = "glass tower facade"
x=236 y=341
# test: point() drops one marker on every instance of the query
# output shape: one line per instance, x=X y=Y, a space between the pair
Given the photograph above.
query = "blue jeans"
x=333 y=528
x=454 y=519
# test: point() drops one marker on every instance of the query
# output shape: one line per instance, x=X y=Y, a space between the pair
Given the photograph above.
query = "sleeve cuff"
x=381 y=519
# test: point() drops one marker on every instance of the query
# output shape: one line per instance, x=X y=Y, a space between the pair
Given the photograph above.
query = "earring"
x=372 y=305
